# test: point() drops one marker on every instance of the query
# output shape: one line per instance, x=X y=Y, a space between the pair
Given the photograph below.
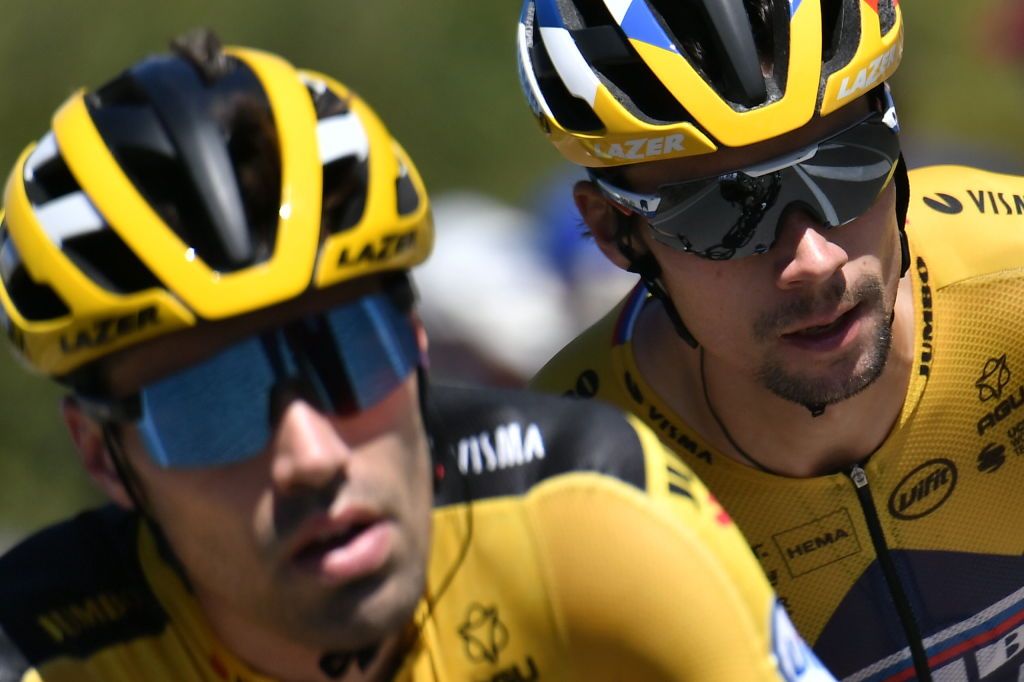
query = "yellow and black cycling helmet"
x=196 y=186
x=614 y=82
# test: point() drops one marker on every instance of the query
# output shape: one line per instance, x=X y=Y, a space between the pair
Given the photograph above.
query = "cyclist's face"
x=809 y=319
x=322 y=537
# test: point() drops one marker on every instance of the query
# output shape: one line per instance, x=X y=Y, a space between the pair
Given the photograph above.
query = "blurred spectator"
x=592 y=283
x=1002 y=32
x=494 y=309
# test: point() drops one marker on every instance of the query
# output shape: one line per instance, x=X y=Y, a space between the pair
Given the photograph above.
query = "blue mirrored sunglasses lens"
x=212 y=413
x=219 y=411
x=380 y=351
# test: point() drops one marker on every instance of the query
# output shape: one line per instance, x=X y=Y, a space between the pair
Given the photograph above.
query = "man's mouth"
x=828 y=335
x=345 y=548
x=820 y=329
x=329 y=540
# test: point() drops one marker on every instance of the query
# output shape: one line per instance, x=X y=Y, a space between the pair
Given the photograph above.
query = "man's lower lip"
x=834 y=339
x=361 y=556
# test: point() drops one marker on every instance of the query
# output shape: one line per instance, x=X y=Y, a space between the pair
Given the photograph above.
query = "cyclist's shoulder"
x=85 y=542
x=71 y=589
x=578 y=367
x=505 y=442
x=953 y=195
x=965 y=222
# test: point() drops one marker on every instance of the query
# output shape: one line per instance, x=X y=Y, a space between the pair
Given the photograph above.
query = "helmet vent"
x=620 y=68
x=325 y=102
x=345 y=148
x=346 y=182
x=571 y=112
x=34 y=301
x=408 y=197
x=886 y=15
x=49 y=179
x=830 y=28
x=840 y=34
x=109 y=262
x=725 y=42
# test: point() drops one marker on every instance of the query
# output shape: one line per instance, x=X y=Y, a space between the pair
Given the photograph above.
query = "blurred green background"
x=442 y=74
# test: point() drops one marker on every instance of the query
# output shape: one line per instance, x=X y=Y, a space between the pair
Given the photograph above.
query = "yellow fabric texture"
x=946 y=483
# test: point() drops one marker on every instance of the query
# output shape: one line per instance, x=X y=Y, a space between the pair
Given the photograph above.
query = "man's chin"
x=834 y=384
x=358 y=615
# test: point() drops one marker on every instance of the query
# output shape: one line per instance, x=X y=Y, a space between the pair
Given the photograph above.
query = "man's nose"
x=308 y=451
x=805 y=256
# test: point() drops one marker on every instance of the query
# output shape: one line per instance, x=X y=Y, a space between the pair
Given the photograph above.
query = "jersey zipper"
x=899 y=597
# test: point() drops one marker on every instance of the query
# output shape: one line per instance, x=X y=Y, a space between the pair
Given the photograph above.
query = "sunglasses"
x=737 y=214
x=223 y=409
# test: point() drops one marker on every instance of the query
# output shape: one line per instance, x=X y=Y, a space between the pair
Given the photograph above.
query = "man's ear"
x=602 y=218
x=87 y=436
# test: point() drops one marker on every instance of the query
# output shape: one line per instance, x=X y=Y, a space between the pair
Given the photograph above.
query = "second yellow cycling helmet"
x=615 y=82
x=197 y=186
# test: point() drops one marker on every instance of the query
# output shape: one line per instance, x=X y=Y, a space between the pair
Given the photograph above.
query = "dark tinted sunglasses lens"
x=850 y=175
x=737 y=214
x=729 y=217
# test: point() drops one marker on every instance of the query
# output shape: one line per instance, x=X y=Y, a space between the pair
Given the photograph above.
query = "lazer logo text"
x=869 y=75
x=388 y=246
x=642 y=148
x=108 y=329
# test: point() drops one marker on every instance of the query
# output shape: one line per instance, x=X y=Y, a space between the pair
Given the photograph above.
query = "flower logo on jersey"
x=994 y=378
x=483 y=634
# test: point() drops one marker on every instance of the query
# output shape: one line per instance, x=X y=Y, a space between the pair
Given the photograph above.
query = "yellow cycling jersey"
x=567 y=545
x=916 y=553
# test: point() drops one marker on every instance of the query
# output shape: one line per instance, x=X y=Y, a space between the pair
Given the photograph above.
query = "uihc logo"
x=510 y=446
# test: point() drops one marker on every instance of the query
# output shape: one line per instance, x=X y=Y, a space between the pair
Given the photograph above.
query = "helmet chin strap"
x=902 y=183
x=645 y=265
x=649 y=270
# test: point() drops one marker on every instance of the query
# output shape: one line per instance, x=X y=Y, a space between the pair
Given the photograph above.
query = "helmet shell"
x=615 y=82
x=137 y=215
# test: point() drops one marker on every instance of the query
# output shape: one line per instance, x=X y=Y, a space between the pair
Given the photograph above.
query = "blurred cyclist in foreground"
x=210 y=252
x=838 y=359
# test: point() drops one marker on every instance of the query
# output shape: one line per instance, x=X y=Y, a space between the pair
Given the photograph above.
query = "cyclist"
x=835 y=357
x=210 y=252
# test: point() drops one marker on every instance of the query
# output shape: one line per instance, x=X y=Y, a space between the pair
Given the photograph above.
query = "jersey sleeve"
x=659 y=584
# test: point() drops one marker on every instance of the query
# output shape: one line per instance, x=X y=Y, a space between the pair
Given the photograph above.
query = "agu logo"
x=923 y=490
x=994 y=378
x=483 y=634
